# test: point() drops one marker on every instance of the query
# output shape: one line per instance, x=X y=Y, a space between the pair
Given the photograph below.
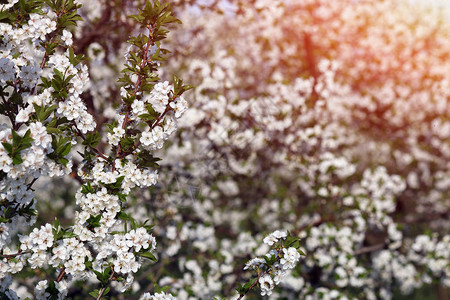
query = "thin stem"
x=253 y=284
x=155 y=124
x=7 y=256
x=31 y=184
x=8 y=111
x=52 y=39
x=61 y=274
x=100 y=294
x=160 y=118
x=137 y=85
x=80 y=134
x=369 y=249
x=44 y=59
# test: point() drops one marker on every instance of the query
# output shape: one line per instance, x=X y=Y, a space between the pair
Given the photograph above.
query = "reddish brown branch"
x=9 y=256
x=369 y=249
x=100 y=294
x=61 y=274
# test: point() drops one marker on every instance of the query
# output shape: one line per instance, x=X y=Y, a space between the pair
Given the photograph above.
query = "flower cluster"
x=157 y=296
x=160 y=100
x=47 y=115
x=325 y=118
x=274 y=266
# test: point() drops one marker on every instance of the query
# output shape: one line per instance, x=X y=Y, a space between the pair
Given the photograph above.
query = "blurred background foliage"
x=279 y=85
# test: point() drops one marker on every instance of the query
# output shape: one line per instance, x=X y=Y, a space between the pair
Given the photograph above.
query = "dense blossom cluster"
x=44 y=117
x=286 y=259
x=21 y=73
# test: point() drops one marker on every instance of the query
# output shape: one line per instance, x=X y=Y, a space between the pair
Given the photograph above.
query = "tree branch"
x=100 y=294
x=369 y=249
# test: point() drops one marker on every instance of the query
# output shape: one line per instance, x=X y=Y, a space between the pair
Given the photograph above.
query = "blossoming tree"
x=316 y=128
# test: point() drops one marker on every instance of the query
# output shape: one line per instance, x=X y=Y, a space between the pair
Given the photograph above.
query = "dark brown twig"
x=61 y=274
x=369 y=249
x=8 y=256
x=100 y=294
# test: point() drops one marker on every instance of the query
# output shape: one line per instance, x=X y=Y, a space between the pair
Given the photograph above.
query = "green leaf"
x=148 y=227
x=16 y=98
x=53 y=130
x=134 y=224
x=88 y=263
x=147 y=255
x=92 y=139
x=16 y=138
x=87 y=188
x=62 y=147
x=122 y=197
x=42 y=113
x=58 y=74
x=68 y=234
x=4 y=15
x=123 y=216
x=45 y=82
x=127 y=143
x=95 y=293
x=63 y=161
x=116 y=185
x=56 y=223
x=94 y=221
x=65 y=149
x=270 y=260
x=8 y=147
x=106 y=291
x=247 y=286
x=17 y=159
x=291 y=242
x=103 y=277
x=240 y=289
x=159 y=289
x=146 y=159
